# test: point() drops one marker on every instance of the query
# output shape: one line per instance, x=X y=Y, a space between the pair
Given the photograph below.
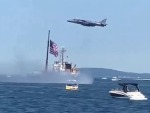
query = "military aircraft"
x=88 y=23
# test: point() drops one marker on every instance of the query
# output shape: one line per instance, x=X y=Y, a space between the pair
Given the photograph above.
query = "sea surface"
x=53 y=98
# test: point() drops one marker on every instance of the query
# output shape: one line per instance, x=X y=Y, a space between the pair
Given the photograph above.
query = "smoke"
x=85 y=79
x=22 y=70
x=50 y=77
x=22 y=64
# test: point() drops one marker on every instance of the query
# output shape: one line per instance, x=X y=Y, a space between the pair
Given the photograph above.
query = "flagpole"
x=46 y=64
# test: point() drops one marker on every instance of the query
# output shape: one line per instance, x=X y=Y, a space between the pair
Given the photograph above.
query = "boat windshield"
x=72 y=84
x=131 y=88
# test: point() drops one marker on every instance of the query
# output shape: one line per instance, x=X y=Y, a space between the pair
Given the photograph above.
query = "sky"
x=122 y=45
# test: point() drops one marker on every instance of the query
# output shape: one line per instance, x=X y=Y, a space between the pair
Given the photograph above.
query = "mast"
x=46 y=63
x=63 y=50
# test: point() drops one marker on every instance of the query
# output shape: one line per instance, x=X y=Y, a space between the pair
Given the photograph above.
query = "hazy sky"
x=124 y=44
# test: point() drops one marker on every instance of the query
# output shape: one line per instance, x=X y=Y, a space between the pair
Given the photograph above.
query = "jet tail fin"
x=104 y=21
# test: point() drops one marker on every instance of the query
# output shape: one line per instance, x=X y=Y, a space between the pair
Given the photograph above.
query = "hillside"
x=102 y=72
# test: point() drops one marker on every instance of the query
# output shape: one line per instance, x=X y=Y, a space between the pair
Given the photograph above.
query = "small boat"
x=104 y=78
x=129 y=90
x=72 y=85
x=115 y=79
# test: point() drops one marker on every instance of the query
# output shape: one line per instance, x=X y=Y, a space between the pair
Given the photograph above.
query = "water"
x=53 y=98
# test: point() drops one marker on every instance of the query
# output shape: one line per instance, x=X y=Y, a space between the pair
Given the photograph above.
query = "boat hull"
x=117 y=94
x=71 y=87
x=129 y=95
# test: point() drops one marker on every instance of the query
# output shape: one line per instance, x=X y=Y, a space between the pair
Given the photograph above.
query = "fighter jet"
x=88 y=23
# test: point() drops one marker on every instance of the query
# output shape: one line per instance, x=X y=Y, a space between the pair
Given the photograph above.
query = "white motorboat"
x=115 y=79
x=104 y=78
x=72 y=85
x=129 y=90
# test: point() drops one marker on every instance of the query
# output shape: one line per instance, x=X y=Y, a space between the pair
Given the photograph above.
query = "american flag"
x=53 y=48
